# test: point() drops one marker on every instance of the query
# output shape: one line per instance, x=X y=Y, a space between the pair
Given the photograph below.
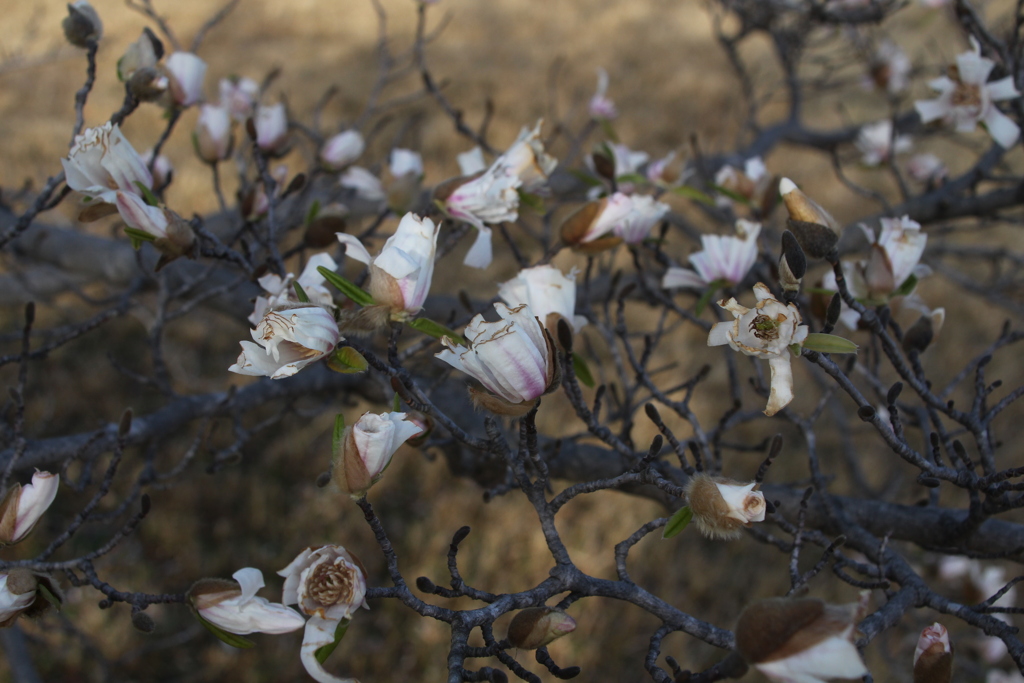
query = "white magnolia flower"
x=527 y=160
x=137 y=214
x=13 y=603
x=513 y=358
x=342 y=149
x=750 y=182
x=490 y=198
x=239 y=96
x=22 y=507
x=547 y=292
x=876 y=144
x=234 y=607
x=926 y=168
x=281 y=293
x=765 y=331
x=634 y=223
x=366 y=450
x=403 y=162
x=271 y=123
x=889 y=69
x=186 y=72
x=366 y=184
x=601 y=106
x=722 y=507
x=328 y=584
x=213 y=133
x=102 y=161
x=966 y=98
x=400 y=274
x=723 y=257
x=800 y=640
x=471 y=162
x=627 y=161
x=291 y=339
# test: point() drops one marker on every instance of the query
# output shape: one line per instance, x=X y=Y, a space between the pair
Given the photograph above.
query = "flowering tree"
x=873 y=462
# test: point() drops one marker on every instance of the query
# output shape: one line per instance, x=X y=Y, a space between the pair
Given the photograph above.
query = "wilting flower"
x=889 y=69
x=536 y=627
x=19 y=594
x=513 y=358
x=750 y=183
x=547 y=292
x=102 y=161
x=605 y=223
x=213 y=133
x=800 y=641
x=765 y=331
x=187 y=72
x=876 y=143
x=403 y=162
x=601 y=106
x=234 y=607
x=933 y=656
x=291 y=339
x=926 y=168
x=966 y=99
x=239 y=95
x=342 y=149
x=22 y=507
x=328 y=584
x=400 y=274
x=366 y=449
x=490 y=198
x=722 y=507
x=723 y=257
x=281 y=294
x=527 y=160
x=271 y=122
x=365 y=184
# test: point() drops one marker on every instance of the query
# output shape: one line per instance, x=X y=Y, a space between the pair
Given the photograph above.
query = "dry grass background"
x=669 y=79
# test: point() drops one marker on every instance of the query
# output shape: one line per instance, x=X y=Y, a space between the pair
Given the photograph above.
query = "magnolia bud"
x=535 y=627
x=82 y=25
x=366 y=449
x=147 y=84
x=814 y=227
x=22 y=507
x=792 y=264
x=143 y=622
x=721 y=507
x=920 y=335
x=933 y=657
x=142 y=54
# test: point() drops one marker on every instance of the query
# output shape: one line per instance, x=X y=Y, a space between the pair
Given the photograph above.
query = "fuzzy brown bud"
x=535 y=627
x=82 y=25
x=722 y=507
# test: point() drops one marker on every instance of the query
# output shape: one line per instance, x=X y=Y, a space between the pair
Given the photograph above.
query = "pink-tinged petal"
x=34 y=500
x=354 y=249
x=1002 y=129
x=682 y=277
x=1003 y=89
x=141 y=216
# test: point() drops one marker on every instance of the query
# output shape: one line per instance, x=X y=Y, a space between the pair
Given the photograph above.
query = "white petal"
x=250 y=580
x=782 y=384
x=682 y=277
x=1003 y=89
x=354 y=248
x=1002 y=129
x=932 y=110
x=480 y=254
x=33 y=501
x=319 y=632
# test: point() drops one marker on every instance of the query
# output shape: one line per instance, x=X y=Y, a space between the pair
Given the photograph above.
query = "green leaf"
x=395 y=404
x=907 y=287
x=579 y=366
x=694 y=194
x=323 y=653
x=531 y=200
x=730 y=194
x=314 y=210
x=435 y=330
x=147 y=194
x=585 y=177
x=708 y=295
x=301 y=293
x=631 y=178
x=829 y=343
x=347 y=287
x=138 y=236
x=679 y=520
x=42 y=590
x=347 y=361
x=232 y=639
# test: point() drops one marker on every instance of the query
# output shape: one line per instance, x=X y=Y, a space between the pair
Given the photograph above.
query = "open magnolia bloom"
x=966 y=98
x=607 y=222
x=291 y=339
x=800 y=641
x=22 y=507
x=102 y=161
x=233 y=606
x=366 y=450
x=547 y=292
x=722 y=507
x=889 y=68
x=527 y=159
x=328 y=584
x=280 y=293
x=513 y=358
x=400 y=274
x=723 y=257
x=877 y=143
x=765 y=331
